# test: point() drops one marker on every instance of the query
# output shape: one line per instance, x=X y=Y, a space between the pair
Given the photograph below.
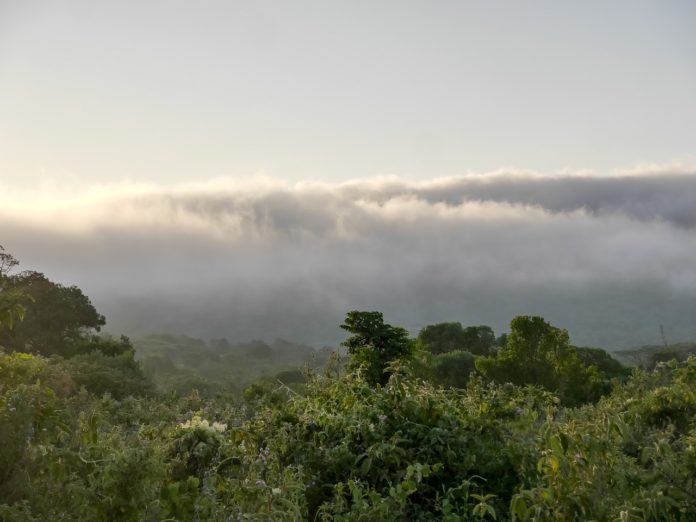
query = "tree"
x=441 y=338
x=11 y=307
x=448 y=337
x=604 y=362
x=540 y=354
x=374 y=344
x=56 y=318
x=7 y=262
x=453 y=368
x=478 y=340
x=12 y=299
x=528 y=356
x=538 y=344
x=500 y=341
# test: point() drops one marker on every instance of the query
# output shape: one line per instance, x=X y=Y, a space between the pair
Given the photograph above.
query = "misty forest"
x=457 y=423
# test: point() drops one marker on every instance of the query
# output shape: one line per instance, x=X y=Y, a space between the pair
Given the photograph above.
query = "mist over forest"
x=610 y=257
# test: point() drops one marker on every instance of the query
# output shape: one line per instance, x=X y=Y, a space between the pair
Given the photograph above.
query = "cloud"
x=610 y=258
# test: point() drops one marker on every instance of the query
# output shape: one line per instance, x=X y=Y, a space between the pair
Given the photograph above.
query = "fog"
x=609 y=258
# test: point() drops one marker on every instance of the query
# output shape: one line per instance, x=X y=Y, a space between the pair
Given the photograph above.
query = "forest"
x=456 y=424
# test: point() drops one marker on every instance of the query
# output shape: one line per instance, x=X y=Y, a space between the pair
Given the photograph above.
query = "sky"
x=167 y=91
x=257 y=169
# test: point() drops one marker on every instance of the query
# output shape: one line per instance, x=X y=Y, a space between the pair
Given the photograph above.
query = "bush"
x=119 y=375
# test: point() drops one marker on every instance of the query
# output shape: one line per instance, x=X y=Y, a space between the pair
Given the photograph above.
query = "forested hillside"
x=457 y=424
x=182 y=364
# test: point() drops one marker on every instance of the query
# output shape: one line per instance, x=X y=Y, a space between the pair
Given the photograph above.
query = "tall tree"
x=527 y=357
x=375 y=344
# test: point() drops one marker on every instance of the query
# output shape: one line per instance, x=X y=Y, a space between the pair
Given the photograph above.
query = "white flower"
x=198 y=422
x=219 y=426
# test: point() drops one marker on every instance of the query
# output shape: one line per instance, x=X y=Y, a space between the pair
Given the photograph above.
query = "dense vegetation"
x=454 y=425
x=181 y=364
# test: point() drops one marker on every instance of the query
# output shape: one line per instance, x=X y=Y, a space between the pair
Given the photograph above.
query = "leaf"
x=553 y=463
x=565 y=441
x=540 y=464
x=558 y=445
x=518 y=508
x=366 y=465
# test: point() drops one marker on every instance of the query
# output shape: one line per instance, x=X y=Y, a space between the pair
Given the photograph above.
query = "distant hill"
x=181 y=363
x=649 y=355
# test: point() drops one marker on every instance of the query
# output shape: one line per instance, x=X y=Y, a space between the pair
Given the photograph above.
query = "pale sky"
x=171 y=91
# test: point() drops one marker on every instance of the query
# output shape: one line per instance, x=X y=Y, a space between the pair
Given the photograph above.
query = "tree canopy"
x=448 y=337
x=374 y=344
x=55 y=317
x=539 y=354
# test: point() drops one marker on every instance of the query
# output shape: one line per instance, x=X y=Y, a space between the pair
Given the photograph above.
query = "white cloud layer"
x=611 y=258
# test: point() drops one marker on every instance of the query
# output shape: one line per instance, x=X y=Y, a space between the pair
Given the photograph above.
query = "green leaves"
x=539 y=354
x=483 y=508
x=12 y=304
x=9 y=313
x=519 y=509
x=374 y=344
x=56 y=316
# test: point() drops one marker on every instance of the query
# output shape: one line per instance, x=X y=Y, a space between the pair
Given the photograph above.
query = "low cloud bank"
x=611 y=258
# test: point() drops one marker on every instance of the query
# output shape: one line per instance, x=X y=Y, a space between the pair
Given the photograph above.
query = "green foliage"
x=346 y=450
x=87 y=437
x=448 y=337
x=119 y=375
x=533 y=348
x=195 y=447
x=56 y=316
x=441 y=338
x=105 y=345
x=539 y=354
x=12 y=300
x=679 y=352
x=630 y=457
x=603 y=361
x=28 y=417
x=12 y=308
x=478 y=340
x=291 y=377
x=452 y=368
x=374 y=344
x=405 y=449
x=649 y=356
x=181 y=364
